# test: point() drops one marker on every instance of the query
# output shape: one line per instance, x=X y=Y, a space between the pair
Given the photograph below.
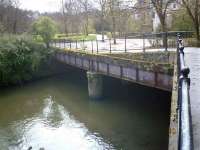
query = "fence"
x=127 y=43
x=185 y=121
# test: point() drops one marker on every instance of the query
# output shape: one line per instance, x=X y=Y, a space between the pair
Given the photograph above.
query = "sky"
x=41 y=5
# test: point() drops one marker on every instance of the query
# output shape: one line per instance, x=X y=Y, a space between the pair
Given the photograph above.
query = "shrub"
x=19 y=59
x=46 y=28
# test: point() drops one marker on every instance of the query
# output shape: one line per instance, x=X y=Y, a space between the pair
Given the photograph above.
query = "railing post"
x=125 y=44
x=64 y=43
x=143 y=36
x=70 y=45
x=166 y=41
x=110 y=45
x=76 y=45
x=92 y=47
x=60 y=43
x=97 y=46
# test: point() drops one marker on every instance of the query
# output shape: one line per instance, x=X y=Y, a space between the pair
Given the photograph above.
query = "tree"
x=64 y=17
x=113 y=6
x=102 y=6
x=181 y=21
x=16 y=5
x=160 y=7
x=192 y=7
x=46 y=28
x=85 y=5
x=12 y=18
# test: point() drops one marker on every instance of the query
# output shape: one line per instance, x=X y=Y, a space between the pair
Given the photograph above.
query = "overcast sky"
x=41 y=5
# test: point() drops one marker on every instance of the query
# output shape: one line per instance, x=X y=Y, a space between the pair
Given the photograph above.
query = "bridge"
x=141 y=59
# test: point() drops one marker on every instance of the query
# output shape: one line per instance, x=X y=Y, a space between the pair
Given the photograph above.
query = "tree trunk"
x=15 y=21
x=164 y=30
x=197 y=34
x=114 y=30
x=66 y=30
x=87 y=24
x=102 y=29
x=47 y=45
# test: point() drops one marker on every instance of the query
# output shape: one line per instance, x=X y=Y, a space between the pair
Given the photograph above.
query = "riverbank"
x=21 y=60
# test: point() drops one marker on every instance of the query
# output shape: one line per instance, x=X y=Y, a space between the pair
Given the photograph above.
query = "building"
x=172 y=8
x=146 y=15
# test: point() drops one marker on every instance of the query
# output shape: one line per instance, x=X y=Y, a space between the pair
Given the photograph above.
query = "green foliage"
x=46 y=28
x=20 y=59
x=182 y=21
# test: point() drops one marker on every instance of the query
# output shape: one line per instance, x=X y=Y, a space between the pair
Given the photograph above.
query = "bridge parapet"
x=180 y=132
x=153 y=74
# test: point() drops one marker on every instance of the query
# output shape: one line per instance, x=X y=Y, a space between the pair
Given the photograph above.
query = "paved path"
x=192 y=56
x=132 y=45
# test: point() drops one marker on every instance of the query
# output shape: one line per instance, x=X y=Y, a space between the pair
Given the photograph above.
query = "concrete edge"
x=173 y=128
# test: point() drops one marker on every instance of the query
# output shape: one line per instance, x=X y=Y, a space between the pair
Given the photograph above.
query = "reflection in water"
x=54 y=128
x=56 y=114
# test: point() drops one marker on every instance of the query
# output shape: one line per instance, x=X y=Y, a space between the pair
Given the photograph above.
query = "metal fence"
x=127 y=43
x=185 y=121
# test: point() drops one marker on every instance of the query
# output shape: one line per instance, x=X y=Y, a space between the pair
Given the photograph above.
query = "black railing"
x=185 y=121
x=128 y=43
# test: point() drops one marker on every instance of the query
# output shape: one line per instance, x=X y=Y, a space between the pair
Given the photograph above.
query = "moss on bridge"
x=161 y=62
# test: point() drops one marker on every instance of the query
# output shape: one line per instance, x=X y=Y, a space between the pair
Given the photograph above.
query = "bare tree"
x=64 y=17
x=85 y=5
x=193 y=9
x=112 y=8
x=102 y=6
x=161 y=10
x=16 y=5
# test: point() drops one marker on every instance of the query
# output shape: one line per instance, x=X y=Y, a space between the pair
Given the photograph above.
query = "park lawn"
x=75 y=37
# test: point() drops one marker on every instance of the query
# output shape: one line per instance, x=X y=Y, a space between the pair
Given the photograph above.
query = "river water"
x=56 y=114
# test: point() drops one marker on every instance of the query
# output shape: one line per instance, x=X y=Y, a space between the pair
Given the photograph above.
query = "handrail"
x=185 y=121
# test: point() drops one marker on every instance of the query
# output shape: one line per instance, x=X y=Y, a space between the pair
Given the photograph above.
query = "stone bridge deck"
x=150 y=69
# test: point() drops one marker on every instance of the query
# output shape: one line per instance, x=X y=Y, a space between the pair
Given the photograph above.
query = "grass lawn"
x=75 y=37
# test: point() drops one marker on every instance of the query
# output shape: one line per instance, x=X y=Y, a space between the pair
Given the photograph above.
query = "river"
x=56 y=114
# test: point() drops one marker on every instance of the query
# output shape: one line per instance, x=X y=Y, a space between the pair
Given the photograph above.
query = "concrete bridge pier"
x=95 y=85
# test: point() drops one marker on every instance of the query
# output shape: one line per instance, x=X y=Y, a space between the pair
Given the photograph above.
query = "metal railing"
x=185 y=138
x=126 y=43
